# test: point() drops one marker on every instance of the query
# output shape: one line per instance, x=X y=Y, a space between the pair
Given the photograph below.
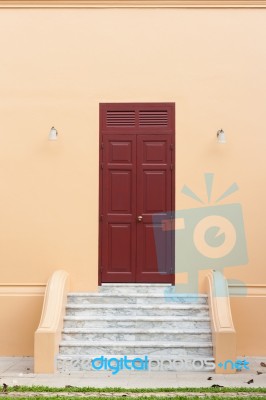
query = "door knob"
x=139 y=218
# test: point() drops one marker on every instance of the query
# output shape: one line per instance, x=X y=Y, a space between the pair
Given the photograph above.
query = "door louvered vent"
x=136 y=118
x=120 y=118
x=153 y=118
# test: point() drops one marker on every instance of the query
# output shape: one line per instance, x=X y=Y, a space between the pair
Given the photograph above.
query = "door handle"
x=139 y=218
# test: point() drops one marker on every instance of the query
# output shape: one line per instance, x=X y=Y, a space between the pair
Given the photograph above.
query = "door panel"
x=118 y=208
x=154 y=191
x=154 y=196
x=120 y=239
x=120 y=193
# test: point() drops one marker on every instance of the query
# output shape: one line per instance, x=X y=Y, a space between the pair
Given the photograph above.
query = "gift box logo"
x=207 y=237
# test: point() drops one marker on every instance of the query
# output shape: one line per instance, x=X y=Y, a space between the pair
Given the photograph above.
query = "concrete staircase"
x=137 y=320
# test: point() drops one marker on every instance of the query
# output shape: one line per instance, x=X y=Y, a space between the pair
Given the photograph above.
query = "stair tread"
x=151 y=356
x=128 y=294
x=137 y=306
x=77 y=343
x=135 y=318
x=133 y=330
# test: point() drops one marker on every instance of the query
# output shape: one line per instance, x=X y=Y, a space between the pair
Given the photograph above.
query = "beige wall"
x=249 y=320
x=20 y=310
x=57 y=66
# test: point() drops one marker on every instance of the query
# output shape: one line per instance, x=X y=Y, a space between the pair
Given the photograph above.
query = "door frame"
x=102 y=107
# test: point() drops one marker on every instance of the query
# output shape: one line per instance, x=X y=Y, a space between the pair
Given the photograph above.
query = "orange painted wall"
x=20 y=316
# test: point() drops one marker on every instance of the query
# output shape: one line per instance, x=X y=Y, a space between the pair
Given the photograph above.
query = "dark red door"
x=137 y=183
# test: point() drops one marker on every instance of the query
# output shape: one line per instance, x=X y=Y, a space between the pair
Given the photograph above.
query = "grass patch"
x=36 y=397
x=88 y=389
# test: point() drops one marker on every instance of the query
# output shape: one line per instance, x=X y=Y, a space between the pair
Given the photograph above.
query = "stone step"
x=135 y=319
x=137 y=309
x=136 y=347
x=116 y=335
x=133 y=288
x=74 y=363
x=142 y=322
x=135 y=298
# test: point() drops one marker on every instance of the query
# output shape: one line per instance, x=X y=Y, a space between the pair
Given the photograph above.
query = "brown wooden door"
x=136 y=184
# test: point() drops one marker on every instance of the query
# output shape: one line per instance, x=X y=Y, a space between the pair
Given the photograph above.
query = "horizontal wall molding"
x=22 y=290
x=247 y=290
x=132 y=4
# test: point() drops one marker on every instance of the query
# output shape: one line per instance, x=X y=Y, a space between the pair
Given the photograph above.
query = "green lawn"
x=77 y=393
x=122 y=390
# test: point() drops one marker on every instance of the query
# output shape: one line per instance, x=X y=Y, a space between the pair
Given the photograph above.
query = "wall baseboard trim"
x=22 y=290
x=132 y=4
x=246 y=290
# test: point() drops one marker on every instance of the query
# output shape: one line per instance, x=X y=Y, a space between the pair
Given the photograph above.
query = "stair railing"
x=223 y=331
x=48 y=334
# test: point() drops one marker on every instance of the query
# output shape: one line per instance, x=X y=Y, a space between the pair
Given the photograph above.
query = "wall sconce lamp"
x=221 y=136
x=53 y=134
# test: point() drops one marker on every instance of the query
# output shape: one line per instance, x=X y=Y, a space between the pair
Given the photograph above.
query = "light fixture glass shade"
x=221 y=136
x=52 y=134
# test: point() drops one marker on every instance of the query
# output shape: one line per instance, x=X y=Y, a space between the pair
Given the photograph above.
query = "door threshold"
x=136 y=284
